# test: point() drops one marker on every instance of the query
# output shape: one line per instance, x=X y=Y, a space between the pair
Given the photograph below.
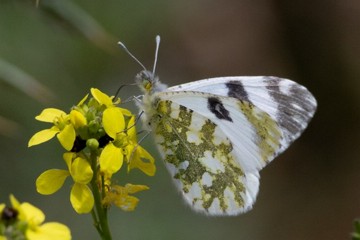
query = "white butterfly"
x=216 y=134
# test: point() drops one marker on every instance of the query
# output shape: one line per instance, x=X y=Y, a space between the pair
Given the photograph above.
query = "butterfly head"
x=146 y=80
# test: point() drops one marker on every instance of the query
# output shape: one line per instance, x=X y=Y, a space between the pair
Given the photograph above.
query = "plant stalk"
x=99 y=214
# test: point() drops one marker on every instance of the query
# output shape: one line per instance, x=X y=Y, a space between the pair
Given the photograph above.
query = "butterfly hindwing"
x=203 y=161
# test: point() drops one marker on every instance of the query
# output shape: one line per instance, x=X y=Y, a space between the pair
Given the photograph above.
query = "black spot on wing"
x=237 y=90
x=217 y=108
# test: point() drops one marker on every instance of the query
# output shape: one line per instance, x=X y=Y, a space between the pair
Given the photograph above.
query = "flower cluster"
x=25 y=221
x=99 y=137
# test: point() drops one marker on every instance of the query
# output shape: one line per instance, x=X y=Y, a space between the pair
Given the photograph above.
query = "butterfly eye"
x=147 y=85
x=145 y=79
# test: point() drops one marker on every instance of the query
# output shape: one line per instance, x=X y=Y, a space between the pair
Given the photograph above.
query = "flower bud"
x=92 y=143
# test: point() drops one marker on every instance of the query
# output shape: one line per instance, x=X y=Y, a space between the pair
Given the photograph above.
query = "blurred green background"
x=52 y=54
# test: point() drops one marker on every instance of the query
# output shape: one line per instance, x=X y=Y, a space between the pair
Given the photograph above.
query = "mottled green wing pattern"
x=202 y=161
x=256 y=137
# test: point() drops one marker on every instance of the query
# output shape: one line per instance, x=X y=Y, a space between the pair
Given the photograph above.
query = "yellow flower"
x=94 y=129
x=80 y=170
x=111 y=157
x=63 y=129
x=120 y=196
x=35 y=228
x=104 y=99
x=135 y=153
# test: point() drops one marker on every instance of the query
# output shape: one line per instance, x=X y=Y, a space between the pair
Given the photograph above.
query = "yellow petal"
x=145 y=154
x=82 y=100
x=125 y=112
x=51 y=230
x=49 y=114
x=2 y=206
x=101 y=97
x=132 y=129
x=81 y=198
x=14 y=202
x=129 y=152
x=77 y=119
x=111 y=159
x=67 y=137
x=136 y=161
x=127 y=203
x=51 y=181
x=81 y=171
x=68 y=157
x=131 y=188
x=42 y=136
x=34 y=216
x=113 y=121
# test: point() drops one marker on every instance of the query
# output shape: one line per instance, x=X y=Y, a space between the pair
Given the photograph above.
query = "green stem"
x=95 y=219
x=100 y=216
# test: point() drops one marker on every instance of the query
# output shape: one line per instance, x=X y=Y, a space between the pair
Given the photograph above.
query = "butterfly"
x=216 y=134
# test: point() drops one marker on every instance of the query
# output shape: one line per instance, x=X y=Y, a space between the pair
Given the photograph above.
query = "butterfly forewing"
x=287 y=102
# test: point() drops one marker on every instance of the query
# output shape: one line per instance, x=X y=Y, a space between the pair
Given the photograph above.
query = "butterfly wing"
x=203 y=160
x=287 y=102
x=256 y=137
x=216 y=134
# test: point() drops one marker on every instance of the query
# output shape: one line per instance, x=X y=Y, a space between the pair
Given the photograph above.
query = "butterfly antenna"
x=131 y=55
x=157 y=39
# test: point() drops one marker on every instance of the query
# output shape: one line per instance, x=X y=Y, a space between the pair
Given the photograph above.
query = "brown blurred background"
x=52 y=54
